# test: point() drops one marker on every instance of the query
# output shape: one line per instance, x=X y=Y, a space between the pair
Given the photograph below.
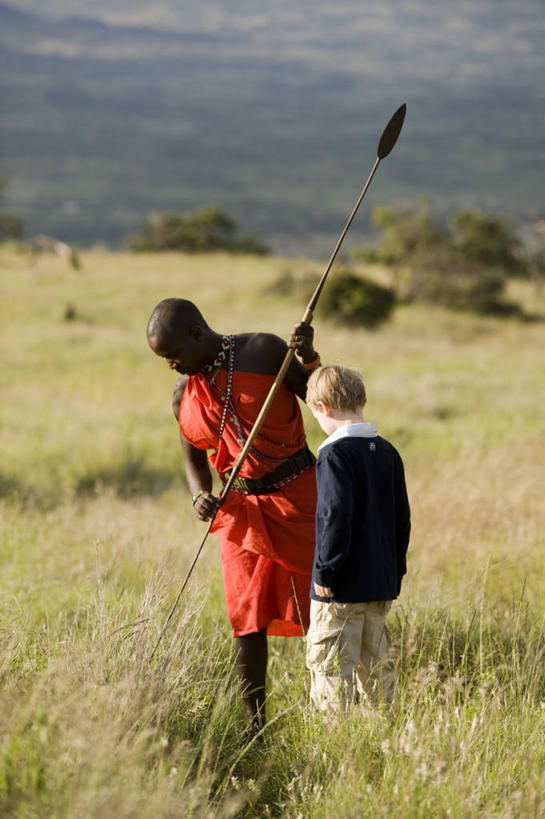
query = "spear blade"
x=391 y=132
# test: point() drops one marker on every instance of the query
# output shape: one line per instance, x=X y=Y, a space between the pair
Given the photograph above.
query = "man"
x=266 y=522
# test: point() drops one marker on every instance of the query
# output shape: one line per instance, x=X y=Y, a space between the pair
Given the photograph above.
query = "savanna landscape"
x=97 y=533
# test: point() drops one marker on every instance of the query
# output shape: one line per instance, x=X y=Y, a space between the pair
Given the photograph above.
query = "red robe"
x=267 y=541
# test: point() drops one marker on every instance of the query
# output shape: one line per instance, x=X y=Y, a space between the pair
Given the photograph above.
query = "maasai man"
x=266 y=522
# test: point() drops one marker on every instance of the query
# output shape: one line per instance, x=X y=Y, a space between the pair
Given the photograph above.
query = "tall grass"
x=97 y=533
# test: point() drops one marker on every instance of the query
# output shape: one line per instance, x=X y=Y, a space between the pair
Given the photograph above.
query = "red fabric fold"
x=267 y=541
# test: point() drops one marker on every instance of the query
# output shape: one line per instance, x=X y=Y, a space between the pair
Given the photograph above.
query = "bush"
x=445 y=277
x=488 y=241
x=406 y=233
x=208 y=229
x=11 y=224
x=297 y=287
x=356 y=300
x=462 y=267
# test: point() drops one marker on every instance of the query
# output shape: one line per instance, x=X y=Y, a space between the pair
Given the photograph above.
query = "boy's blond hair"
x=340 y=388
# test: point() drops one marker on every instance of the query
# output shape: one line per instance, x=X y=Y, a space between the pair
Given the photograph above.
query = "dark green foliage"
x=404 y=234
x=445 y=277
x=11 y=224
x=488 y=241
x=464 y=267
x=356 y=300
x=208 y=229
x=347 y=297
x=297 y=287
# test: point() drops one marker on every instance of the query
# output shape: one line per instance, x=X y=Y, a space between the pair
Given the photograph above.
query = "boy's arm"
x=333 y=518
x=403 y=521
x=323 y=591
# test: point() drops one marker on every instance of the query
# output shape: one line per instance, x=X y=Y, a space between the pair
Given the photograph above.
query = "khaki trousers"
x=349 y=654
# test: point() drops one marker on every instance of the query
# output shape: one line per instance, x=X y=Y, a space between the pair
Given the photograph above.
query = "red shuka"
x=267 y=541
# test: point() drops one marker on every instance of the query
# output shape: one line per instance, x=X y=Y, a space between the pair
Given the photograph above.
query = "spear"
x=387 y=141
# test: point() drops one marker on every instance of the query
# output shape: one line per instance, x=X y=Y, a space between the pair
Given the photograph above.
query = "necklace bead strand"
x=231 y=344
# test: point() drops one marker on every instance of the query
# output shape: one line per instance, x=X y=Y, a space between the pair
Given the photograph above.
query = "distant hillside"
x=273 y=115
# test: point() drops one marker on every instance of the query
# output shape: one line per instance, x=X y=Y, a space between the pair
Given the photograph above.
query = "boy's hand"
x=323 y=591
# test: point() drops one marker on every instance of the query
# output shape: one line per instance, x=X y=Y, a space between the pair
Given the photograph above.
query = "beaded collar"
x=211 y=370
x=227 y=342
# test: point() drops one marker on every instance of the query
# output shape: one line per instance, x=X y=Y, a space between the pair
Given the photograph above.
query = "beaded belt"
x=272 y=481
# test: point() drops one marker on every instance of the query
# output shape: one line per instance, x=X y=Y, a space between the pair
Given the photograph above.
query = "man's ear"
x=196 y=332
x=326 y=409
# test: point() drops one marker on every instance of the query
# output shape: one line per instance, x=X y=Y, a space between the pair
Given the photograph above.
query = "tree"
x=11 y=224
x=463 y=266
x=406 y=233
x=208 y=229
x=487 y=240
x=443 y=276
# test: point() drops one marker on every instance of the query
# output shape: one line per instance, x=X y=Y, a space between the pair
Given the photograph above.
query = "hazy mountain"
x=110 y=111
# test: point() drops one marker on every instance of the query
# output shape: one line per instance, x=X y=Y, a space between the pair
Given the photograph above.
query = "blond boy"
x=362 y=535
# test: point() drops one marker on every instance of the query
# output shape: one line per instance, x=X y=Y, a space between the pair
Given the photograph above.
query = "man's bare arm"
x=197 y=470
x=177 y=395
x=272 y=350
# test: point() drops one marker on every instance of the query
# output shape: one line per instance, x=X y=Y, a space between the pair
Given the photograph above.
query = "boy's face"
x=324 y=416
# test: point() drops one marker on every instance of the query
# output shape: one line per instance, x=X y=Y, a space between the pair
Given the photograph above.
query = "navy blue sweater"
x=362 y=520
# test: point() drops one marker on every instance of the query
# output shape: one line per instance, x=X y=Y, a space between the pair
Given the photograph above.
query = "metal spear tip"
x=391 y=132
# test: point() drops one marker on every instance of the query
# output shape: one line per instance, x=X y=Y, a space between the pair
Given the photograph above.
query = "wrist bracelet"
x=313 y=364
x=196 y=497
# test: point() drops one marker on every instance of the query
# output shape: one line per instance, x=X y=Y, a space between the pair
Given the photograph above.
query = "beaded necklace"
x=211 y=370
x=226 y=343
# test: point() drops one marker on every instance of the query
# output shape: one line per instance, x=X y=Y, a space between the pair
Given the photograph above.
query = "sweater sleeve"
x=403 y=520
x=333 y=517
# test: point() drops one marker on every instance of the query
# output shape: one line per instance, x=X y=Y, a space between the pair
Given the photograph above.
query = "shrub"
x=11 y=224
x=356 y=299
x=406 y=233
x=445 y=277
x=463 y=267
x=208 y=229
x=298 y=287
x=487 y=240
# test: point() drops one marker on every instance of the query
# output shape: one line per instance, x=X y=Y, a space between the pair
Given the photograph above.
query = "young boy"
x=362 y=535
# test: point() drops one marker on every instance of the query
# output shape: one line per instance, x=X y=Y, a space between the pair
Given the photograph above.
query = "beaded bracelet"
x=196 y=497
x=313 y=364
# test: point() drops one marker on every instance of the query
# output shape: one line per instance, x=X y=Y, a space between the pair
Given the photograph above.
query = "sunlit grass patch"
x=97 y=533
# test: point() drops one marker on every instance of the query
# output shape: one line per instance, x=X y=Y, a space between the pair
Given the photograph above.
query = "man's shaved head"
x=178 y=333
x=171 y=317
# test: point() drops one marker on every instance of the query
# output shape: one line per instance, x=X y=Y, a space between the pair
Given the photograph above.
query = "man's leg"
x=252 y=655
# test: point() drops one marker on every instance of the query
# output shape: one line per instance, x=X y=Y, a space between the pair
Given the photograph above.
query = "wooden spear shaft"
x=385 y=145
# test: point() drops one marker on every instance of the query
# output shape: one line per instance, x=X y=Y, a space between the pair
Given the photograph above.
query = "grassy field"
x=97 y=533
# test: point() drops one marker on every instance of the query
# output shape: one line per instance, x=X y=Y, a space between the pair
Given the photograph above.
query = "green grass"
x=97 y=534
